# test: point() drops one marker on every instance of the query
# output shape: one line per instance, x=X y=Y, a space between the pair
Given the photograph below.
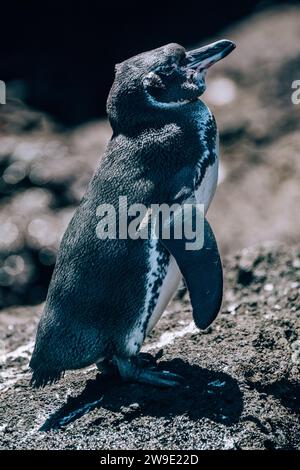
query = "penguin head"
x=163 y=79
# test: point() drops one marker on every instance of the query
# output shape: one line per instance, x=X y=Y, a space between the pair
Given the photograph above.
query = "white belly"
x=205 y=193
x=168 y=289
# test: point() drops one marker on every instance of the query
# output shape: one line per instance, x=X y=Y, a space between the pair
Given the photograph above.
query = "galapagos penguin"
x=106 y=294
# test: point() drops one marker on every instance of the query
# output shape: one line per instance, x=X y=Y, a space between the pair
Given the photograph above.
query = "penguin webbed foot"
x=143 y=371
x=159 y=378
x=108 y=368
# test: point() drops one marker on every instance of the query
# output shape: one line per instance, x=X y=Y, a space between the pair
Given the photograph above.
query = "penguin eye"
x=182 y=61
x=168 y=69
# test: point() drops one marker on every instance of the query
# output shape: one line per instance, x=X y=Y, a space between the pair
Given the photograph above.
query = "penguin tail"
x=42 y=377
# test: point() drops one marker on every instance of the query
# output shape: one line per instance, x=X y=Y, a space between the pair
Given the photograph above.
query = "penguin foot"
x=159 y=378
x=108 y=368
x=131 y=370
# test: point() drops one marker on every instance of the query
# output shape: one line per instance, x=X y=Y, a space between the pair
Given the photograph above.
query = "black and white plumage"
x=106 y=295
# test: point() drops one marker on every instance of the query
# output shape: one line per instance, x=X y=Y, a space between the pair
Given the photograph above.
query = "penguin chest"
x=205 y=191
x=206 y=171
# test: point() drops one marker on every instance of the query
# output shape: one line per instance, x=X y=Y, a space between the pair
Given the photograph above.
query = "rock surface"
x=242 y=375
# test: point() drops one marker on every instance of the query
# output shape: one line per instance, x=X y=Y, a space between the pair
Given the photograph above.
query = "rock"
x=242 y=378
x=245 y=275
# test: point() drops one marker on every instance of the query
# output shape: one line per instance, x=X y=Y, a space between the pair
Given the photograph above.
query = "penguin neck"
x=188 y=115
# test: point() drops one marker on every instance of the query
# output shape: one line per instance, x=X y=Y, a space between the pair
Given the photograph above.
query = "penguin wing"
x=200 y=267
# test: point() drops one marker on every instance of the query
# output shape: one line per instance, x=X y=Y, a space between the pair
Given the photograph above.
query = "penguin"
x=107 y=294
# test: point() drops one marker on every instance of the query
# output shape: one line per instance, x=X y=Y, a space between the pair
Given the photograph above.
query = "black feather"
x=41 y=377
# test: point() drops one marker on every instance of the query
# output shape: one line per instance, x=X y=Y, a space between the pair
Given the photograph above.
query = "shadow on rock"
x=288 y=392
x=205 y=393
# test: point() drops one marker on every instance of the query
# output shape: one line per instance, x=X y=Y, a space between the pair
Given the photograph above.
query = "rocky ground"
x=242 y=374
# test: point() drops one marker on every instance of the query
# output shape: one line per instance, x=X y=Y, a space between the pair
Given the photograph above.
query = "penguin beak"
x=204 y=57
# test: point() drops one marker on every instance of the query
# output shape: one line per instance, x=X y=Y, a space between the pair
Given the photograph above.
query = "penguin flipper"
x=202 y=271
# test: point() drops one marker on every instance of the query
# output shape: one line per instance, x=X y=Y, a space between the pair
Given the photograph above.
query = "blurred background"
x=58 y=64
